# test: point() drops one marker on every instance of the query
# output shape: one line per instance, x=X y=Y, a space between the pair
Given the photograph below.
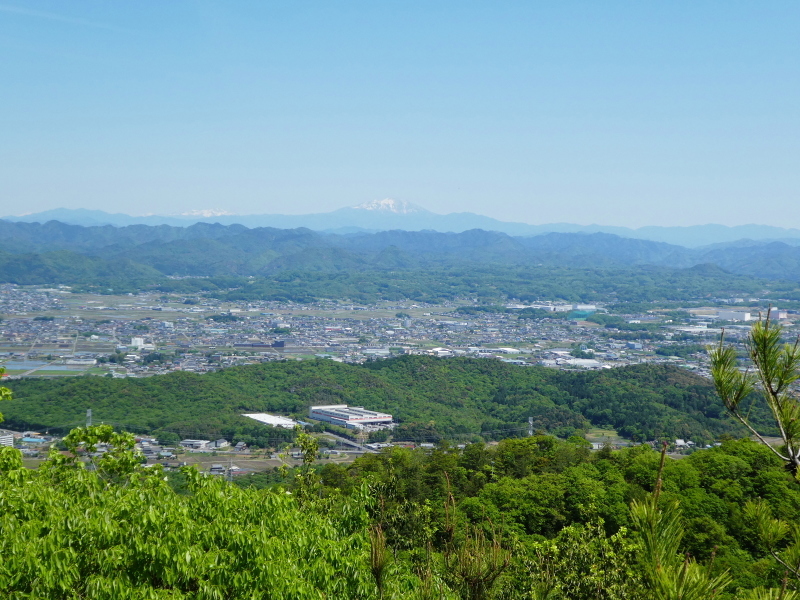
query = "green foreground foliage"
x=777 y=369
x=73 y=533
x=533 y=518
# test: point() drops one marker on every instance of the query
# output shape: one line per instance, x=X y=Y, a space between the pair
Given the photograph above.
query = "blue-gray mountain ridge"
x=385 y=215
x=205 y=249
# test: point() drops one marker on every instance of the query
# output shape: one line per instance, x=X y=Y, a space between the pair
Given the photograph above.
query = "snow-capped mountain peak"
x=206 y=212
x=390 y=205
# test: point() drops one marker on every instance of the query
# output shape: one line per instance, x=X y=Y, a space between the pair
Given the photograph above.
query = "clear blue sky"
x=627 y=113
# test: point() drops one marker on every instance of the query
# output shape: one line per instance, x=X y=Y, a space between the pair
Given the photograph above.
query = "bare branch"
x=760 y=437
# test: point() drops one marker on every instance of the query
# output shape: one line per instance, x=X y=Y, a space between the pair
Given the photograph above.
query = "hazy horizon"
x=208 y=214
x=614 y=114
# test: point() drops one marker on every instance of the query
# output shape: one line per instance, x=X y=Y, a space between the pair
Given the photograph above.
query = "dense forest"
x=528 y=283
x=431 y=398
x=533 y=518
x=495 y=283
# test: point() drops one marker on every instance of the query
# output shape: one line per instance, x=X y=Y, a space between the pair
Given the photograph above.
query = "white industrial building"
x=734 y=315
x=739 y=315
x=552 y=307
x=777 y=315
x=350 y=417
x=138 y=343
x=273 y=420
x=561 y=307
x=441 y=352
x=195 y=444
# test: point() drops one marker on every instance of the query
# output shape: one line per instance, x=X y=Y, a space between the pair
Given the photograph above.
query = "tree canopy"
x=431 y=398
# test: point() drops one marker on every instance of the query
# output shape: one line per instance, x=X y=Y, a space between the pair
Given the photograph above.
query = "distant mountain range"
x=388 y=215
x=205 y=249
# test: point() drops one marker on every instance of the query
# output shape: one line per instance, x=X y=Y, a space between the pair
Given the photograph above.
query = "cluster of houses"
x=112 y=335
x=210 y=446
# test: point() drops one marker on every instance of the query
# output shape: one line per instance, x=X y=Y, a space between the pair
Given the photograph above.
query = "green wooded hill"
x=236 y=263
x=432 y=398
x=220 y=250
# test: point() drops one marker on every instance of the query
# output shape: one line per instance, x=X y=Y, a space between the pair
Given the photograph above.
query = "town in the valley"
x=53 y=332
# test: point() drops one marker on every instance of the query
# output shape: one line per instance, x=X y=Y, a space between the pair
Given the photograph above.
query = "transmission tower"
x=530 y=426
x=88 y=417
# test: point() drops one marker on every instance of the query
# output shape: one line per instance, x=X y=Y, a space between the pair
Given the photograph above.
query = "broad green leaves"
x=5 y=393
x=66 y=537
x=530 y=519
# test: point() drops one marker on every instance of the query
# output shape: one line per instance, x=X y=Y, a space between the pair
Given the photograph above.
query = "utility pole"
x=530 y=426
x=88 y=417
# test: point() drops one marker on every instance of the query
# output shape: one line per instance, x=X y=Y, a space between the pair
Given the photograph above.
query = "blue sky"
x=623 y=113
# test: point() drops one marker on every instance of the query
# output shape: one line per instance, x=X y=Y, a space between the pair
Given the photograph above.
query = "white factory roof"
x=344 y=411
x=273 y=420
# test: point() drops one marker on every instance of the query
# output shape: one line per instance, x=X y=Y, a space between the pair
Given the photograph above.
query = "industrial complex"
x=350 y=417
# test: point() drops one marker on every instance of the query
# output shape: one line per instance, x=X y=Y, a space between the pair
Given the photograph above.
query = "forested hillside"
x=302 y=265
x=213 y=250
x=431 y=398
x=641 y=284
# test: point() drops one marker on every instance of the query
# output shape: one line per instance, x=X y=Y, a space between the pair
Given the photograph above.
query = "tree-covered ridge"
x=527 y=283
x=68 y=267
x=306 y=283
x=217 y=250
x=233 y=262
x=646 y=401
x=457 y=398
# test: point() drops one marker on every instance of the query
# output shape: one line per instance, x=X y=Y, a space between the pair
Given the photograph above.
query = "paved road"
x=351 y=443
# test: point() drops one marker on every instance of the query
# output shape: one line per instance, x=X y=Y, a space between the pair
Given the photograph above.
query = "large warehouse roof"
x=352 y=414
x=273 y=420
